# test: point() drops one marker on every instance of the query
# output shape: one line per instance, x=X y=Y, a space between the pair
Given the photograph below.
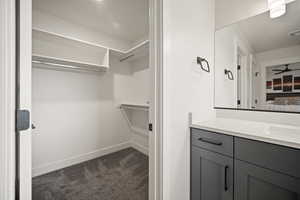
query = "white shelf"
x=55 y=51
x=140 y=131
x=134 y=108
x=139 y=51
x=57 y=63
x=66 y=37
x=54 y=45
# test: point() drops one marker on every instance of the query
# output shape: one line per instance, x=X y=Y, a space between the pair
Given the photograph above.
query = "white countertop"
x=267 y=132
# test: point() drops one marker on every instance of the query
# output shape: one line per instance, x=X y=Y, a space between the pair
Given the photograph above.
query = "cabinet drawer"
x=275 y=157
x=220 y=143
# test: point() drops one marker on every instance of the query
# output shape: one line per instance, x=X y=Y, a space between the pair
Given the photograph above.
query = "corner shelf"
x=82 y=54
x=139 y=51
x=53 y=51
x=135 y=107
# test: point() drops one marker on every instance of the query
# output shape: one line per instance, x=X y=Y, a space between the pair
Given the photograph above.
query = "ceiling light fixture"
x=277 y=8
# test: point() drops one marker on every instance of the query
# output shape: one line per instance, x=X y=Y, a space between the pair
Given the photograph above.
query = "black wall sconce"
x=229 y=74
x=203 y=64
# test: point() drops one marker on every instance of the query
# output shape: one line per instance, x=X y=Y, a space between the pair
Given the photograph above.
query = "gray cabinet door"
x=211 y=175
x=257 y=183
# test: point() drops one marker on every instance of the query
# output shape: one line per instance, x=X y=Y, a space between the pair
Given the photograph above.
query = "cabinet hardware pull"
x=225 y=181
x=210 y=141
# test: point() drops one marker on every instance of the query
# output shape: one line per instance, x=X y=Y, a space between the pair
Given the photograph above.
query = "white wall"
x=188 y=32
x=141 y=79
x=141 y=87
x=231 y=11
x=75 y=115
x=279 y=56
x=140 y=138
x=125 y=92
x=225 y=58
x=227 y=42
x=139 y=82
x=138 y=89
x=268 y=117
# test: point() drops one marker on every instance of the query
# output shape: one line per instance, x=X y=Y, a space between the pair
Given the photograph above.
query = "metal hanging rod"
x=69 y=67
x=55 y=64
x=126 y=58
x=135 y=107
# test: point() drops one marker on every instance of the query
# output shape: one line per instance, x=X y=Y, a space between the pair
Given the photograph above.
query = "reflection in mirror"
x=261 y=60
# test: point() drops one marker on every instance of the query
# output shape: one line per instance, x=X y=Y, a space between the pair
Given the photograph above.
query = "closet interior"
x=91 y=92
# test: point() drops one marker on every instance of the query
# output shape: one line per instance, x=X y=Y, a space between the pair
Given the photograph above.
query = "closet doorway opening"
x=93 y=102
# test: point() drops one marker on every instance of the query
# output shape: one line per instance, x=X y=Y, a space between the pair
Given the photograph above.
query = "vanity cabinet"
x=258 y=183
x=266 y=171
x=277 y=158
x=211 y=172
x=227 y=167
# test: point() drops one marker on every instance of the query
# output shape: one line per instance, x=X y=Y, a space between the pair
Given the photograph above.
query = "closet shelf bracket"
x=134 y=107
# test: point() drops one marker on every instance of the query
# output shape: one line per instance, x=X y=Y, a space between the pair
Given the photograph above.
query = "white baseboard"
x=44 y=169
x=140 y=148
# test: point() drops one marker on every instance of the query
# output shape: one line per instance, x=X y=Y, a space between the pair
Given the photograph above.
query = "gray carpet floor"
x=118 y=176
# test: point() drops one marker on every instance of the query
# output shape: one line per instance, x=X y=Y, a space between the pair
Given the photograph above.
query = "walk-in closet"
x=91 y=86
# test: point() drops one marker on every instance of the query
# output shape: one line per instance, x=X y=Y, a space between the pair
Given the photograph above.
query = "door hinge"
x=239 y=102
x=150 y=128
x=22 y=120
x=239 y=67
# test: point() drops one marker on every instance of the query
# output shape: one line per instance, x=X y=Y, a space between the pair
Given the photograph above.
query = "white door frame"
x=156 y=114
x=8 y=101
x=23 y=59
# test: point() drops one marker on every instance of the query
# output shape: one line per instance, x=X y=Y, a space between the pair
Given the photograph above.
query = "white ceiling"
x=291 y=66
x=124 y=19
x=264 y=33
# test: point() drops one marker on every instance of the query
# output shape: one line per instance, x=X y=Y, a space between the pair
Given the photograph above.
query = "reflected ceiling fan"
x=286 y=69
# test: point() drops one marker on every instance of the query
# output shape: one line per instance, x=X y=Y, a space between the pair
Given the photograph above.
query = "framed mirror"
x=257 y=63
